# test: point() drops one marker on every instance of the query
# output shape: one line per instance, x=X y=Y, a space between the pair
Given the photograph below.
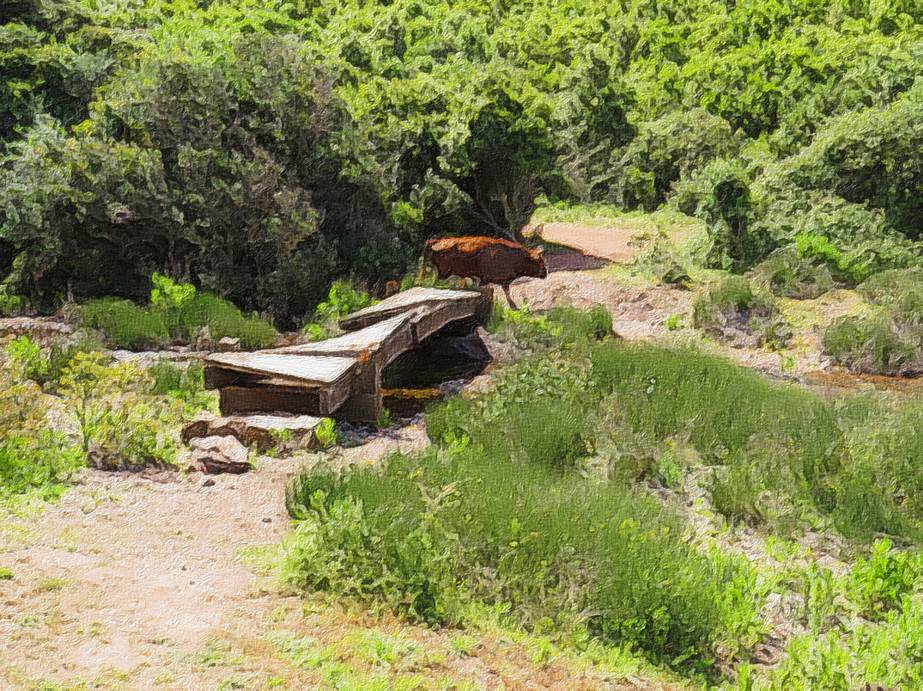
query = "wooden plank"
x=384 y=341
x=429 y=322
x=403 y=302
x=300 y=369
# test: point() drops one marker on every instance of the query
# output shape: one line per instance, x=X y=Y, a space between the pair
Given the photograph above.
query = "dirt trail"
x=144 y=582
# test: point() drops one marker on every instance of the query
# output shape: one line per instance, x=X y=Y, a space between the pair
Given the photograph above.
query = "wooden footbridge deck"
x=341 y=377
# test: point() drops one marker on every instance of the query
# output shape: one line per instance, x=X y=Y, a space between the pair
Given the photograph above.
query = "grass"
x=498 y=513
x=889 y=340
x=532 y=501
x=197 y=315
x=603 y=215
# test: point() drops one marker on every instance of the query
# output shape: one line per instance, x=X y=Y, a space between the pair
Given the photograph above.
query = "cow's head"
x=536 y=255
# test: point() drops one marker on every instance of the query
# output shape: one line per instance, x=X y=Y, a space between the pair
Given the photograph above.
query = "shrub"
x=120 y=423
x=125 y=324
x=221 y=318
x=731 y=308
x=186 y=384
x=10 y=305
x=787 y=273
x=672 y=147
x=342 y=299
x=33 y=458
x=556 y=327
x=874 y=344
x=720 y=195
x=498 y=513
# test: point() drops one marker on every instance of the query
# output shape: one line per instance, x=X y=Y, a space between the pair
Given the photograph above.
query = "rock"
x=208 y=482
x=262 y=431
x=218 y=455
x=35 y=327
x=229 y=345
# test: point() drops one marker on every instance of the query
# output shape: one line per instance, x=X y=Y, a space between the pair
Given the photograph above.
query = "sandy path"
x=613 y=244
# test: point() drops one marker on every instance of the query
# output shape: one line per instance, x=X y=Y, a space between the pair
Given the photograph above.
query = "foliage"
x=788 y=273
x=888 y=341
x=177 y=312
x=675 y=146
x=326 y=433
x=342 y=299
x=45 y=365
x=258 y=151
x=556 y=327
x=32 y=457
x=120 y=424
x=498 y=514
x=186 y=384
x=731 y=308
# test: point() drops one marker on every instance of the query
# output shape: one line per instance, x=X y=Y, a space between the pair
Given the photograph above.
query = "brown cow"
x=491 y=260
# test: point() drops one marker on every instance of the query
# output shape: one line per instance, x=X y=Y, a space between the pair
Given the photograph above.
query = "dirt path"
x=140 y=583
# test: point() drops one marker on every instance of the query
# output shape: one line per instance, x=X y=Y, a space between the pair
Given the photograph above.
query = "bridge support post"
x=364 y=404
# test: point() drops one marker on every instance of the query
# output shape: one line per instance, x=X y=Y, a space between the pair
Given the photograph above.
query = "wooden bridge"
x=341 y=377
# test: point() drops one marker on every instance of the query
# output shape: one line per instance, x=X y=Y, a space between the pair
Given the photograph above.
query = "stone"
x=229 y=345
x=218 y=455
x=262 y=431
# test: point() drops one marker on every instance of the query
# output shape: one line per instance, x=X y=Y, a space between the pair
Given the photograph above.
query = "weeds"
x=342 y=299
x=498 y=513
x=176 y=313
x=889 y=341
x=732 y=309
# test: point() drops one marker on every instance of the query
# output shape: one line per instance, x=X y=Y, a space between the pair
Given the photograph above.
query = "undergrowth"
x=176 y=313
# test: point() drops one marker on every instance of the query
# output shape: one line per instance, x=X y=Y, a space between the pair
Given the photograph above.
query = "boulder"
x=218 y=455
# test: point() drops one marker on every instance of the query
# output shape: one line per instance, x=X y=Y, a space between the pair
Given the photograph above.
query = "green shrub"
x=342 y=299
x=498 y=513
x=125 y=324
x=663 y=151
x=787 y=273
x=33 y=458
x=221 y=318
x=186 y=384
x=874 y=344
x=731 y=307
x=120 y=423
x=556 y=327
x=11 y=305
x=880 y=583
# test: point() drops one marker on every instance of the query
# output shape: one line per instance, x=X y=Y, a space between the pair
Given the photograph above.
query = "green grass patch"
x=176 y=313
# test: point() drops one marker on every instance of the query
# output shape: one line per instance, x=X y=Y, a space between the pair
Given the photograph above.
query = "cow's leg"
x=509 y=298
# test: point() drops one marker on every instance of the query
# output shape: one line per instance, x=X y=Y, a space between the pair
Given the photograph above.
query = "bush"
x=33 y=458
x=787 y=273
x=672 y=147
x=221 y=318
x=498 y=514
x=556 y=327
x=342 y=299
x=731 y=308
x=120 y=423
x=874 y=344
x=177 y=312
x=720 y=195
x=125 y=324
x=11 y=305
x=186 y=384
